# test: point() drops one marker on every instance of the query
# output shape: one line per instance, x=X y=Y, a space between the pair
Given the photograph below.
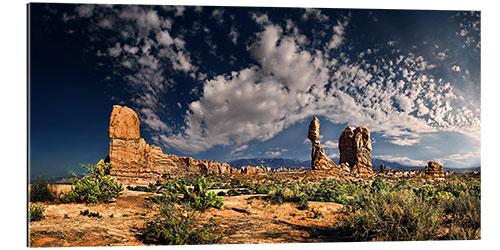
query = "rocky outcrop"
x=434 y=170
x=255 y=170
x=355 y=151
x=138 y=163
x=319 y=160
x=382 y=168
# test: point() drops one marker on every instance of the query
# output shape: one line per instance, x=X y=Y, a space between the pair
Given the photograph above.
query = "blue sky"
x=224 y=83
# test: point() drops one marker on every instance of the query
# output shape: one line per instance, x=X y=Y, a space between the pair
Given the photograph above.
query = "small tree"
x=96 y=186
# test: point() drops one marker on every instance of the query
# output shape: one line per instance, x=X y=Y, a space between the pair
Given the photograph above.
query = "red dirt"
x=244 y=219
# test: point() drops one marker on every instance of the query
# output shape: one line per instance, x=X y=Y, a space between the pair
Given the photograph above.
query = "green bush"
x=36 y=212
x=97 y=186
x=177 y=191
x=442 y=210
x=332 y=190
x=179 y=227
x=40 y=191
x=392 y=216
x=291 y=193
x=86 y=212
x=378 y=185
x=465 y=212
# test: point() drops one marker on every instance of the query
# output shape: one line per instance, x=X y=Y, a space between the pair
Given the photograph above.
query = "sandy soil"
x=244 y=219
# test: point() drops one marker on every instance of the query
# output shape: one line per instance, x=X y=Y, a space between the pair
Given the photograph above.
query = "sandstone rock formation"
x=382 y=168
x=254 y=170
x=319 y=160
x=138 y=163
x=355 y=150
x=434 y=170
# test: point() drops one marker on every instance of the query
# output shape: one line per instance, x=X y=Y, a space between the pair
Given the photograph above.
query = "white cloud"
x=239 y=150
x=333 y=155
x=404 y=141
x=338 y=35
x=405 y=103
x=455 y=159
x=290 y=81
x=153 y=121
x=218 y=15
x=85 y=10
x=316 y=13
x=164 y=38
x=455 y=68
x=402 y=160
x=179 y=10
x=233 y=34
x=115 y=51
x=147 y=49
x=261 y=19
x=276 y=152
x=289 y=84
x=330 y=144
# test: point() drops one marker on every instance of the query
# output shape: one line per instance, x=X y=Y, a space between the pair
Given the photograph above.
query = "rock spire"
x=319 y=160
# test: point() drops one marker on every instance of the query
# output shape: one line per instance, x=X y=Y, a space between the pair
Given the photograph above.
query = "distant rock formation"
x=382 y=168
x=434 y=170
x=319 y=160
x=255 y=170
x=355 y=150
x=138 y=163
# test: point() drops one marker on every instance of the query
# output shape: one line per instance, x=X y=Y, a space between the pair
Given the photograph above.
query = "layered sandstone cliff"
x=355 y=151
x=319 y=159
x=138 y=163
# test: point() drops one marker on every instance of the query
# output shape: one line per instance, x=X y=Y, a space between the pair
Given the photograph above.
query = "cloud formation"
x=393 y=92
x=402 y=160
x=393 y=96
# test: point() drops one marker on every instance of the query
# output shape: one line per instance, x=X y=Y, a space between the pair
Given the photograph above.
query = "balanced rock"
x=355 y=149
x=434 y=170
x=124 y=123
x=138 y=163
x=319 y=160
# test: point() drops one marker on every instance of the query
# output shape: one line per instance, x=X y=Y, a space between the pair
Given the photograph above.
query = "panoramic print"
x=161 y=125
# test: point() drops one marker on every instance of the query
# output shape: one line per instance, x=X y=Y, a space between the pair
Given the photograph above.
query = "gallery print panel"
x=175 y=125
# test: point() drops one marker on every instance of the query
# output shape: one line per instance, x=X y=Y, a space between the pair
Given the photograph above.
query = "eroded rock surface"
x=138 y=163
x=434 y=170
x=319 y=160
x=355 y=150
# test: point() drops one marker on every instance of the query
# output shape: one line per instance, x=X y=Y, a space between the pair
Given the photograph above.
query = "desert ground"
x=244 y=219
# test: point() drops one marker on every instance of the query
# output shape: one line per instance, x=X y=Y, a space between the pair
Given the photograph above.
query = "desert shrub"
x=36 y=212
x=453 y=186
x=96 y=186
x=474 y=188
x=88 y=213
x=427 y=191
x=177 y=191
x=402 y=185
x=393 y=216
x=151 y=188
x=291 y=193
x=233 y=192
x=179 y=226
x=465 y=212
x=40 y=191
x=332 y=190
x=378 y=185
x=265 y=189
